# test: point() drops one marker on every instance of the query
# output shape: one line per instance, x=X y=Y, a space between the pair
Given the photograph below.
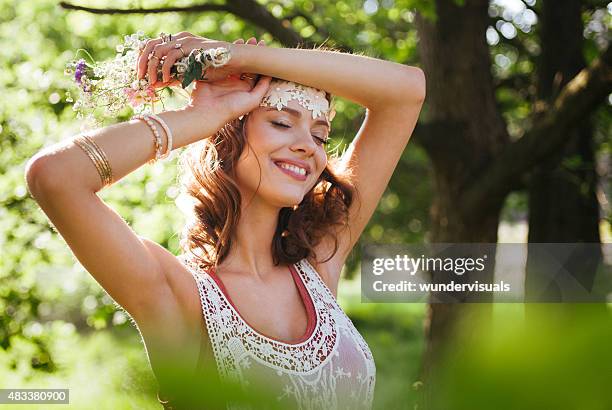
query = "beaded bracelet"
x=168 y=134
x=158 y=139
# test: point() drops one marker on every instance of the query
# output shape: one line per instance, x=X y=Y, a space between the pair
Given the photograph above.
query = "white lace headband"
x=281 y=92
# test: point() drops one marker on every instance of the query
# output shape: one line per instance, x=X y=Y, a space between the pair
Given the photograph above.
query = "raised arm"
x=373 y=83
x=393 y=95
x=64 y=182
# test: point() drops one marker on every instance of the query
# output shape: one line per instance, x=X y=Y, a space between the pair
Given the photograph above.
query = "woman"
x=273 y=222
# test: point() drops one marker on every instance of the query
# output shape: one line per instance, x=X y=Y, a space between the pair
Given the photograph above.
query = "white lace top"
x=331 y=367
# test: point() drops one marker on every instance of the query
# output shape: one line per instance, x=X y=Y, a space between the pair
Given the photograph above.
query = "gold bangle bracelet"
x=104 y=158
x=97 y=156
x=105 y=165
x=82 y=143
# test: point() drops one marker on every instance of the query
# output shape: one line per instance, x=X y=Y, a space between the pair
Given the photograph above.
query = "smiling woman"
x=311 y=196
x=273 y=218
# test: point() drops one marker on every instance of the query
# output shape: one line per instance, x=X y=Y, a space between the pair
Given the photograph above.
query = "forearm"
x=370 y=82
x=127 y=145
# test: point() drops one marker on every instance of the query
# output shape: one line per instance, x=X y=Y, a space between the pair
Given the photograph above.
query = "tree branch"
x=248 y=10
x=255 y=13
x=433 y=138
x=550 y=131
x=188 y=9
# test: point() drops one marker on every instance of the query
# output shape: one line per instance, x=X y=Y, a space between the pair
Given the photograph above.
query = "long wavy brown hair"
x=207 y=176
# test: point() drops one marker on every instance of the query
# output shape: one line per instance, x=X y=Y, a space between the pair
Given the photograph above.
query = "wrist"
x=242 y=57
x=189 y=126
x=204 y=120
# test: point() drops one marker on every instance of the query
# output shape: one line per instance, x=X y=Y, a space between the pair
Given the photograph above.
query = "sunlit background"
x=60 y=329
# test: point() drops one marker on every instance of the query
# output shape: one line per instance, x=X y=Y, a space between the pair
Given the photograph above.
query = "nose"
x=304 y=142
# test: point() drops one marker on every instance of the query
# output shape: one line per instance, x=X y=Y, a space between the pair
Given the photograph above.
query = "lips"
x=290 y=172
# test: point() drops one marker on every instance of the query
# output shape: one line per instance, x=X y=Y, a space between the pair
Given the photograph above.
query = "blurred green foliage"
x=559 y=358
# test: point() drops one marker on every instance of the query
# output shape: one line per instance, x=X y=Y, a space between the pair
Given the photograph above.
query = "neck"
x=251 y=252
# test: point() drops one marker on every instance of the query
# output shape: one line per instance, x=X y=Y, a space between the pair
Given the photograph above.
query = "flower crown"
x=281 y=92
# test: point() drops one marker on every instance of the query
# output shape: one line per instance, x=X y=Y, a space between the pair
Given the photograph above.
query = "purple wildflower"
x=80 y=70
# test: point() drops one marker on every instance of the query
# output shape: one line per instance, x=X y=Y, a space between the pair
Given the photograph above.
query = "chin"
x=287 y=201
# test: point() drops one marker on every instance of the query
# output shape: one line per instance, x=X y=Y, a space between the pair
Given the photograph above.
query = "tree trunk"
x=563 y=205
x=455 y=57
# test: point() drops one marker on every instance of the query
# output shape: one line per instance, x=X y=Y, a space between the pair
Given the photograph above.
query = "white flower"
x=279 y=95
x=281 y=92
x=181 y=67
x=220 y=56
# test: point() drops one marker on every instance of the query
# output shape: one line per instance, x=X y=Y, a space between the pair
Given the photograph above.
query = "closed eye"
x=280 y=124
x=319 y=139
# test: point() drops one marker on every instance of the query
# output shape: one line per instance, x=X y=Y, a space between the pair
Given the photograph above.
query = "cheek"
x=262 y=139
x=322 y=161
x=254 y=163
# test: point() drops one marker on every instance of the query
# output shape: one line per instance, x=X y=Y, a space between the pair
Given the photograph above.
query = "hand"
x=234 y=95
x=157 y=53
x=231 y=97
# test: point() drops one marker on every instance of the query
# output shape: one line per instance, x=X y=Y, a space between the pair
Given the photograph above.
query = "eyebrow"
x=298 y=114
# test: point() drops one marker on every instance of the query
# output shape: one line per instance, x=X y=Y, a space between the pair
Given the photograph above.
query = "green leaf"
x=187 y=79
x=192 y=73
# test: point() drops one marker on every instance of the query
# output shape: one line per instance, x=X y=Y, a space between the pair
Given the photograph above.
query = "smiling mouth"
x=292 y=170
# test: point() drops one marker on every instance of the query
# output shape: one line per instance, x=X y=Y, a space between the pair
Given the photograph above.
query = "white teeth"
x=293 y=168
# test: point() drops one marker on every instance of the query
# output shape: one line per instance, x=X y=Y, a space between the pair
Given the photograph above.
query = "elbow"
x=416 y=86
x=37 y=174
x=32 y=173
x=405 y=88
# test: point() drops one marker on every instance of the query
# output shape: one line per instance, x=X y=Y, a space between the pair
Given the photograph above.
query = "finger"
x=252 y=41
x=261 y=87
x=142 y=62
x=239 y=41
x=143 y=58
x=171 y=58
x=159 y=51
x=152 y=65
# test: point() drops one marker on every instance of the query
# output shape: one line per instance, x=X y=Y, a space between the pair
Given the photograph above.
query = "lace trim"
x=234 y=338
x=312 y=375
x=362 y=343
x=304 y=295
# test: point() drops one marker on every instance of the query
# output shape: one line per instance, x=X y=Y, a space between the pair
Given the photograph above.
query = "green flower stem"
x=88 y=55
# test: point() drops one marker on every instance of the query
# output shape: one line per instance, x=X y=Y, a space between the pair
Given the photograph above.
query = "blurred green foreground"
x=528 y=357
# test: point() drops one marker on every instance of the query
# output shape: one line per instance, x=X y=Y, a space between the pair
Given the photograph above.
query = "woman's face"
x=284 y=144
